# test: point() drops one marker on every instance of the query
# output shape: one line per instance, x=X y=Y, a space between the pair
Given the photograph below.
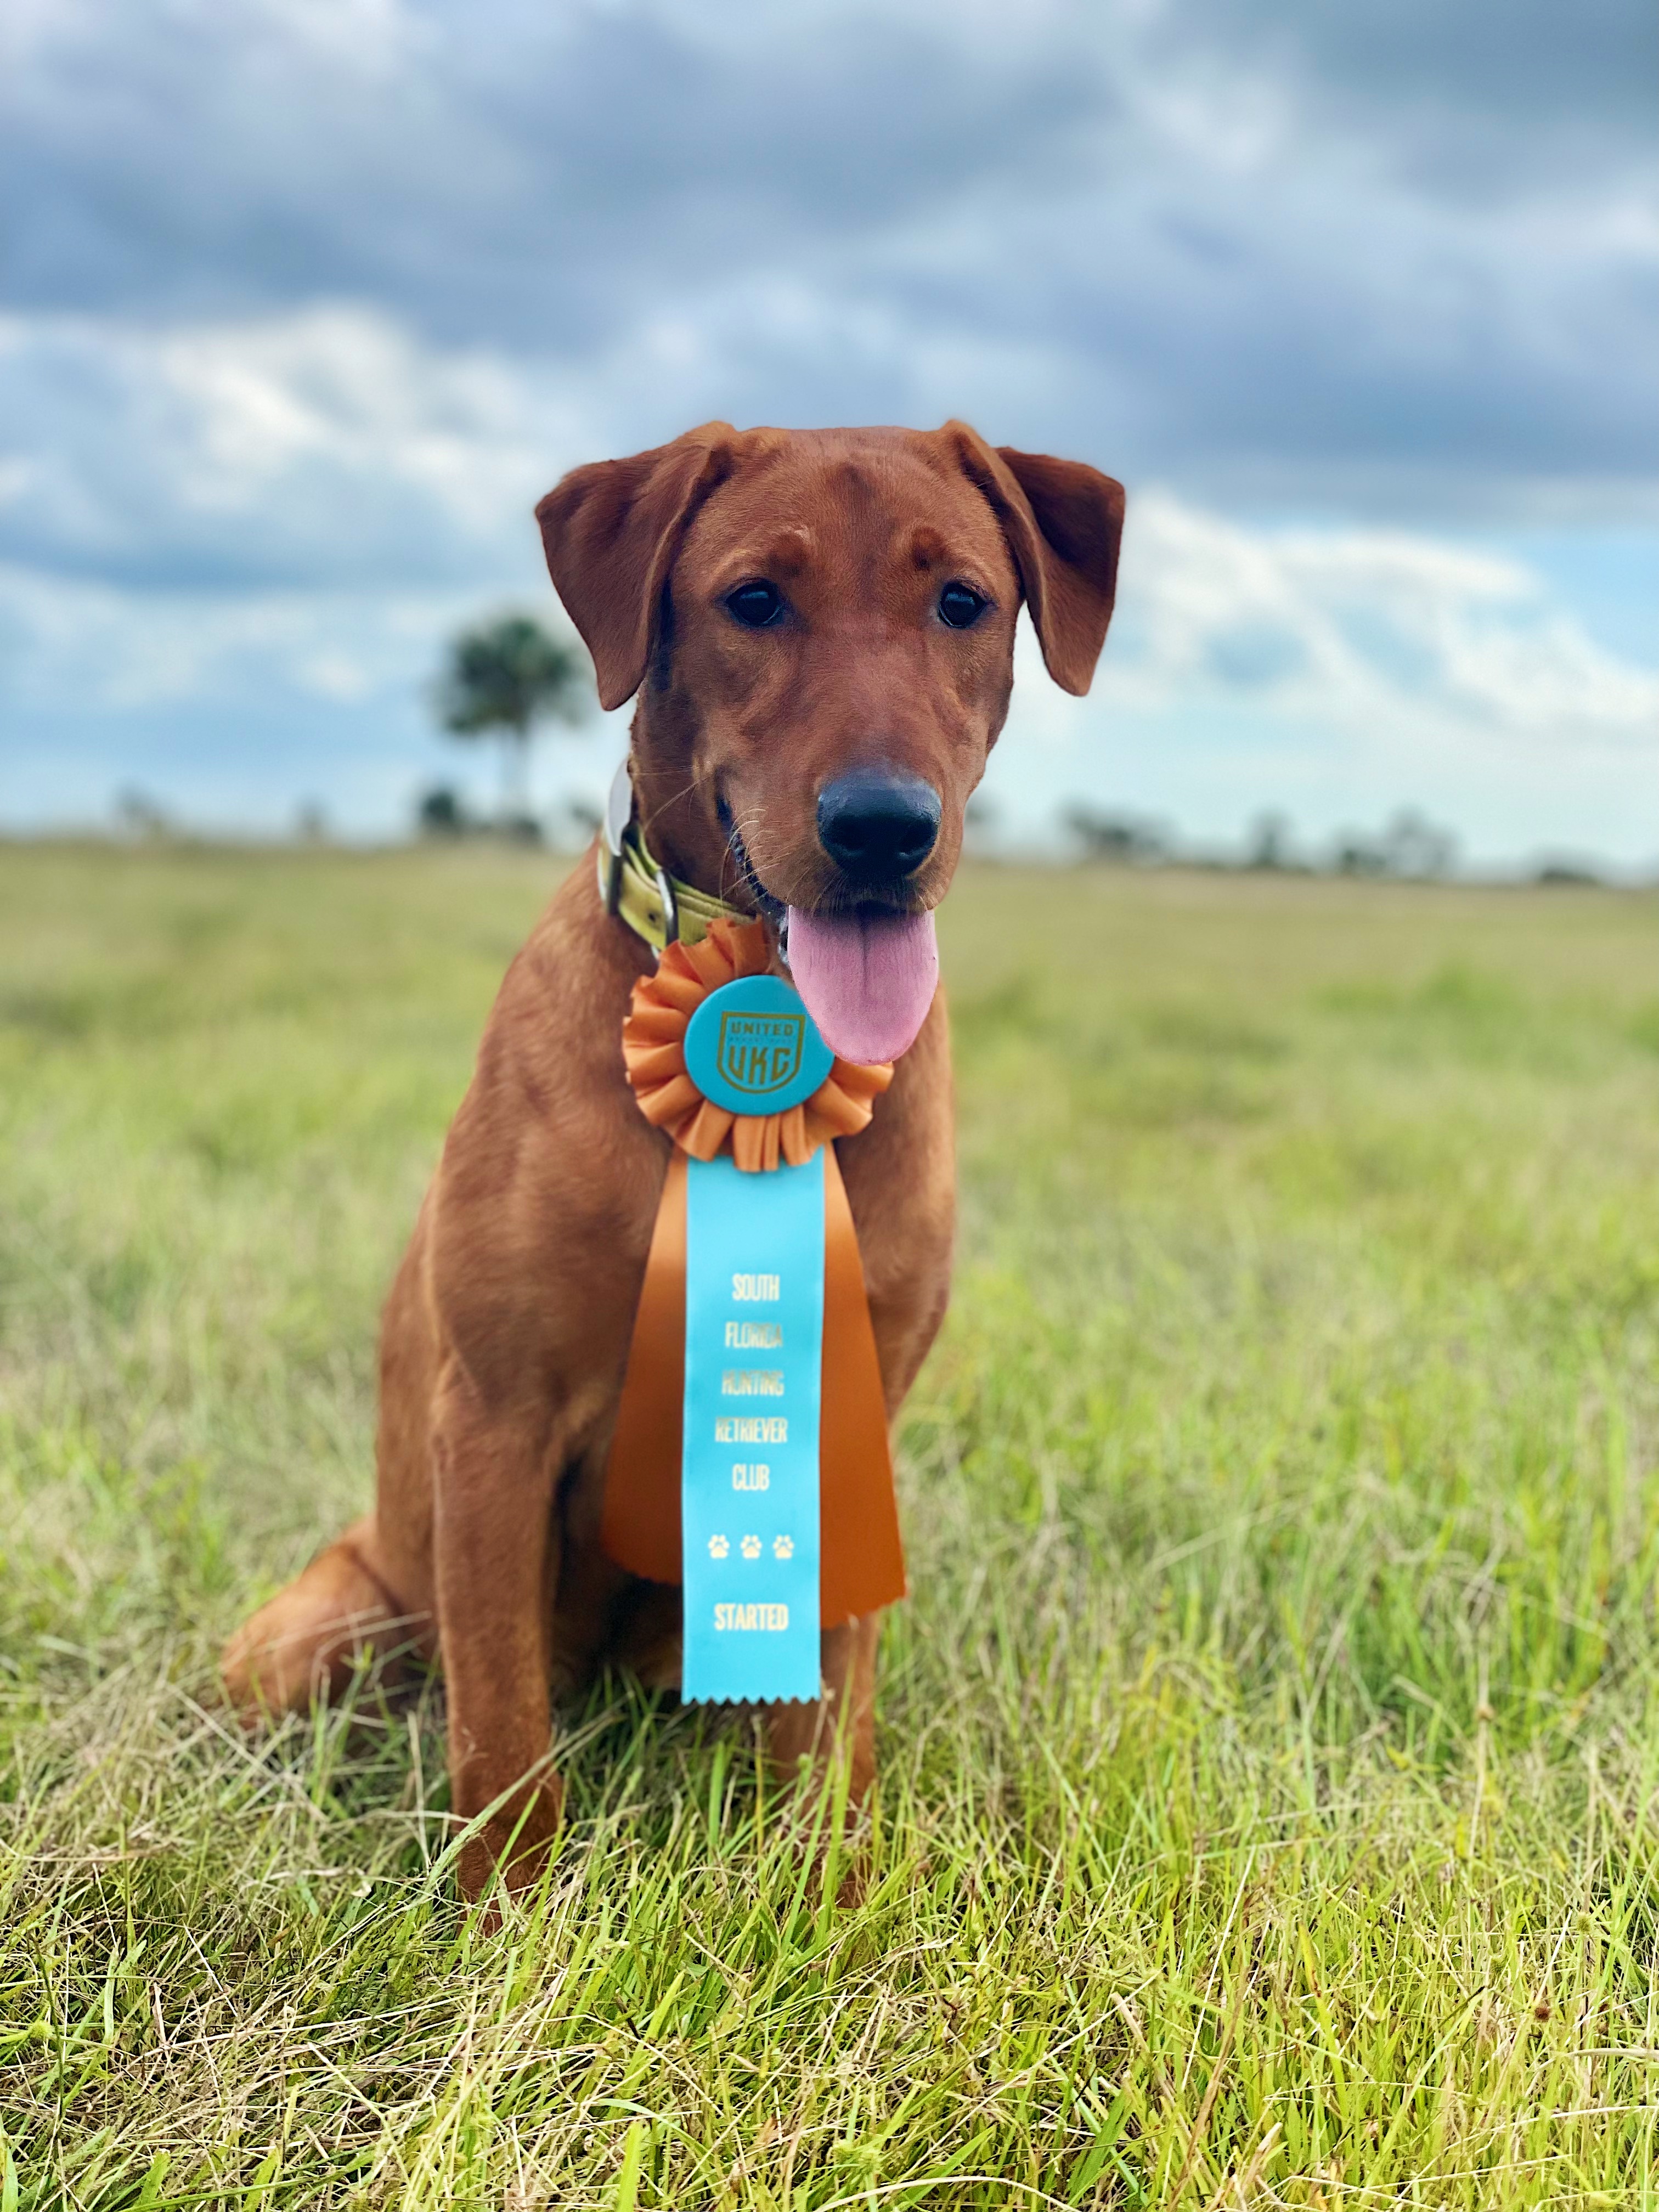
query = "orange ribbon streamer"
x=861 y=1560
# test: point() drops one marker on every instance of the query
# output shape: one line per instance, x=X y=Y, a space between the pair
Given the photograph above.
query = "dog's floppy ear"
x=1063 y=521
x=610 y=532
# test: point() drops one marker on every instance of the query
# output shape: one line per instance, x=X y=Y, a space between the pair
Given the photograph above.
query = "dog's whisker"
x=737 y=851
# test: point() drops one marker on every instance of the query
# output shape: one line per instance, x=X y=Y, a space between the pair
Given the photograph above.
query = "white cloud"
x=1339 y=674
x=1287 y=252
x=317 y=296
x=289 y=513
x=70 y=646
x=1336 y=673
x=321 y=444
x=1352 y=628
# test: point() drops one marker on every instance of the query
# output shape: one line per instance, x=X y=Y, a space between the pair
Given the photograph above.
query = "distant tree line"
x=1410 y=849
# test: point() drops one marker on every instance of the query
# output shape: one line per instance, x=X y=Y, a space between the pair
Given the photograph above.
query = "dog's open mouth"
x=867 y=972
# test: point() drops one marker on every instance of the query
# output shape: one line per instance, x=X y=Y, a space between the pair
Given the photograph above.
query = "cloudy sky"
x=304 y=302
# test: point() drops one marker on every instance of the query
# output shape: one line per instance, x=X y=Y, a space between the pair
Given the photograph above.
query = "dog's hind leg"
x=306 y=1641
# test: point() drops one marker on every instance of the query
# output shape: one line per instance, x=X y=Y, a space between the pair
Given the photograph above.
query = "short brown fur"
x=508 y=1326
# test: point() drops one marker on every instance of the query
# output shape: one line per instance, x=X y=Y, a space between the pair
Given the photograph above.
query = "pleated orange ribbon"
x=861 y=1560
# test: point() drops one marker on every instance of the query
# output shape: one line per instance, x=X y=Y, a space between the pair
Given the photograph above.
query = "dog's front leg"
x=496 y=1566
x=842 y=1723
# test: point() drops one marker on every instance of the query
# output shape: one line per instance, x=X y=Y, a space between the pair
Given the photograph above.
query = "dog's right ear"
x=610 y=532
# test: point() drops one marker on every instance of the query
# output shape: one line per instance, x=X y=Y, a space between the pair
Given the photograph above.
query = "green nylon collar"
x=656 y=906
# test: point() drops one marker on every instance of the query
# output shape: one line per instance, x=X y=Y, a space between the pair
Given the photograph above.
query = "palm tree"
x=503 y=678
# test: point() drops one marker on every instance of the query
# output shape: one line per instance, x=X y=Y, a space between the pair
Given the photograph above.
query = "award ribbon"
x=749 y=1481
x=750 y=1458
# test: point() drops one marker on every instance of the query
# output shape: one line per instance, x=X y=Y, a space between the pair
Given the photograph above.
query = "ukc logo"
x=752 y=1048
x=759 y=1053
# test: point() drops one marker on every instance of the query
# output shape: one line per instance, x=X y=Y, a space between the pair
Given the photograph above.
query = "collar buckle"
x=618 y=815
x=671 y=909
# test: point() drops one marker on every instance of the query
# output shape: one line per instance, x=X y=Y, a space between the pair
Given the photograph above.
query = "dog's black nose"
x=877 y=828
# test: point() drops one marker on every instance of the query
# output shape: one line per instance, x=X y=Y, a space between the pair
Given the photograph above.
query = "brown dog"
x=820 y=626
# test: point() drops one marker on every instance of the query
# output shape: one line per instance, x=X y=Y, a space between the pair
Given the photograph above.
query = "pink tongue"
x=868 y=981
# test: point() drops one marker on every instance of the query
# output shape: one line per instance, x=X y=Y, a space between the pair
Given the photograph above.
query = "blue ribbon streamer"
x=749 y=1481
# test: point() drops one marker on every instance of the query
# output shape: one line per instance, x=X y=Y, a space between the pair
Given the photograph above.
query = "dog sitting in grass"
x=819 y=626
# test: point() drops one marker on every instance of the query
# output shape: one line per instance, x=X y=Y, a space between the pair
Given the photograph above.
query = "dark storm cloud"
x=1521 y=71
x=490 y=171
x=1349 y=255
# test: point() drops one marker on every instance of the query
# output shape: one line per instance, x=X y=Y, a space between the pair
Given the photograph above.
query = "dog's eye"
x=961 y=605
x=756 y=604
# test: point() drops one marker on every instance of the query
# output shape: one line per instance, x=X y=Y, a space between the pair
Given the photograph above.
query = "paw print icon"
x=752 y=1547
x=717 y=1548
x=783 y=1547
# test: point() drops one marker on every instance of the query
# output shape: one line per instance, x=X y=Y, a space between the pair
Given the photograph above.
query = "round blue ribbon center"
x=752 y=1048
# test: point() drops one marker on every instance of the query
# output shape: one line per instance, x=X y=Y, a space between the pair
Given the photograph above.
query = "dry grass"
x=1270 y=1748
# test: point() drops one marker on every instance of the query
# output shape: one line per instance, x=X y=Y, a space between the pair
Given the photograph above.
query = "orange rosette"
x=653 y=1054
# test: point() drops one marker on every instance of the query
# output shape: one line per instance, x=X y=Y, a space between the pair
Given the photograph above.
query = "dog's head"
x=821 y=623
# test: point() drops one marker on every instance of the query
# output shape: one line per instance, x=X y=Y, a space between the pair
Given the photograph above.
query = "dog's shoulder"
x=550 y=1176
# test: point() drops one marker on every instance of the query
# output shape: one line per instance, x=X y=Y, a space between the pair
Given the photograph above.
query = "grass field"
x=1271 y=1746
